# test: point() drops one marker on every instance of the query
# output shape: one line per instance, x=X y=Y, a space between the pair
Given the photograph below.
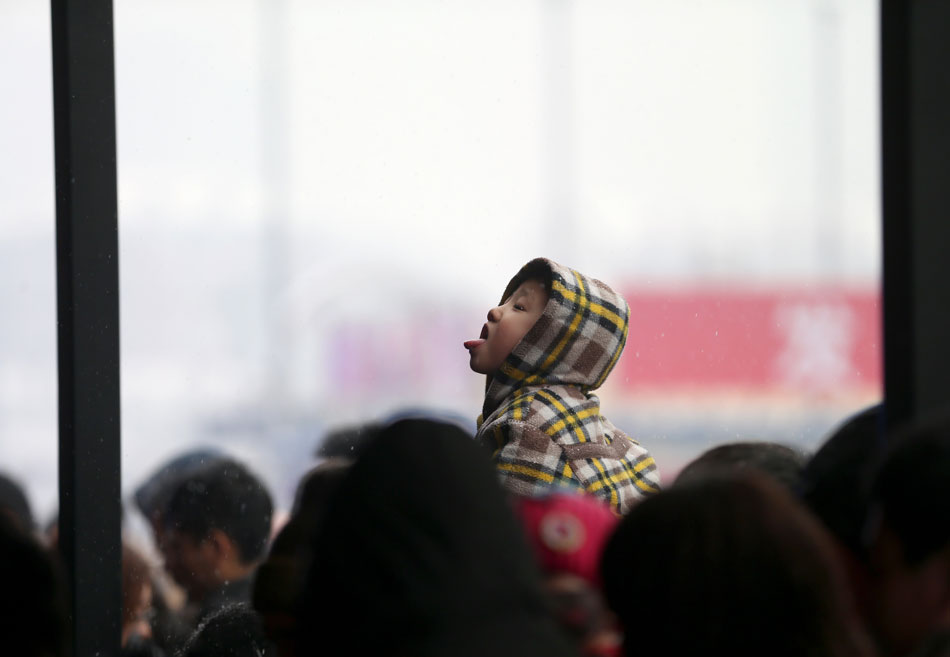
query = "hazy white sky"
x=418 y=153
x=690 y=132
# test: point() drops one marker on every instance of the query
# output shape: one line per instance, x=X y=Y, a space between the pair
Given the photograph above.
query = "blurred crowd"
x=401 y=541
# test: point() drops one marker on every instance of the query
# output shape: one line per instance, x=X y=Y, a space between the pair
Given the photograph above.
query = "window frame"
x=915 y=95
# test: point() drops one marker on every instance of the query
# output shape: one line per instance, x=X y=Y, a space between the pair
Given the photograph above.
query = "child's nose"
x=494 y=314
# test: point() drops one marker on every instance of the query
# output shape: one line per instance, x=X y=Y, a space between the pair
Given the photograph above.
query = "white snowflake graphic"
x=818 y=338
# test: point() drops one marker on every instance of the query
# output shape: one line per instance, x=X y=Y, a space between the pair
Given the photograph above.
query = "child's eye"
x=518 y=306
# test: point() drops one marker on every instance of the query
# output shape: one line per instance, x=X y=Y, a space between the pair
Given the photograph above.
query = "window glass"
x=28 y=383
x=319 y=201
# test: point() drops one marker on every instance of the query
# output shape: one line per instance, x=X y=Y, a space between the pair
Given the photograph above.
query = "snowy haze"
x=290 y=170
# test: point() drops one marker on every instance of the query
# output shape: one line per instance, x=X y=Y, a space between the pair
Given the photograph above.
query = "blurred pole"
x=915 y=95
x=558 y=120
x=87 y=282
x=275 y=178
x=829 y=208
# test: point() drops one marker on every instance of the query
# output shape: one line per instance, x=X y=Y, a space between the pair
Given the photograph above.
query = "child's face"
x=506 y=325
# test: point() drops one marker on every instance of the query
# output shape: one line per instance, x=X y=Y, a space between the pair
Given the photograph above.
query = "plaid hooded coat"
x=540 y=418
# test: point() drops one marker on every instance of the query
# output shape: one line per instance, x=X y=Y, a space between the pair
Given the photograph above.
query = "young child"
x=553 y=339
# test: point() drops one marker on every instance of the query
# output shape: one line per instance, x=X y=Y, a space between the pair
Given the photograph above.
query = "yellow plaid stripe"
x=534 y=473
x=567 y=417
x=566 y=339
x=593 y=306
x=642 y=483
x=608 y=481
x=644 y=464
x=521 y=399
x=511 y=371
x=645 y=487
x=636 y=474
x=583 y=302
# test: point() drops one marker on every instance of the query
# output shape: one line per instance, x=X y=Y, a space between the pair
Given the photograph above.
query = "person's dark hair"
x=911 y=489
x=228 y=497
x=728 y=565
x=347 y=442
x=419 y=553
x=151 y=497
x=316 y=487
x=279 y=578
x=33 y=603
x=781 y=462
x=836 y=480
x=14 y=502
x=232 y=631
x=536 y=270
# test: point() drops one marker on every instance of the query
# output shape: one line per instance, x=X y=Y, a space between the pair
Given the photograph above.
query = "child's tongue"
x=471 y=344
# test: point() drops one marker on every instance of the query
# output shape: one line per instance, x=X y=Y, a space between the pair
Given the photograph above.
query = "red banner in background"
x=822 y=341
x=783 y=342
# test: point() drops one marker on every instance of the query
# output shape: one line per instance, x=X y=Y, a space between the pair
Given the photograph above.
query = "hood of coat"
x=419 y=553
x=576 y=341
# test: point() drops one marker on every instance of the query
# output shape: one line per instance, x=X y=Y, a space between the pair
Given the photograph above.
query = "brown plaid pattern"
x=540 y=418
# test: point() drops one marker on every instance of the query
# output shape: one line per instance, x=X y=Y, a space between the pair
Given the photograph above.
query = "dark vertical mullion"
x=898 y=304
x=915 y=68
x=88 y=318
